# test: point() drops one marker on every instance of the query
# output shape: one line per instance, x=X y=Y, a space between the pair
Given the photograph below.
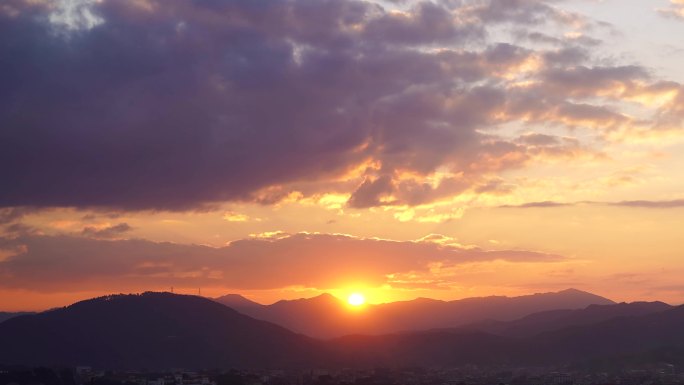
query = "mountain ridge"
x=150 y=330
x=537 y=323
x=5 y=315
x=164 y=330
x=326 y=316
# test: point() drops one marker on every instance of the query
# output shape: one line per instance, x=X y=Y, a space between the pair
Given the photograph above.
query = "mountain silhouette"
x=151 y=330
x=424 y=348
x=614 y=337
x=326 y=316
x=558 y=319
x=237 y=301
x=4 y=316
x=634 y=339
x=164 y=330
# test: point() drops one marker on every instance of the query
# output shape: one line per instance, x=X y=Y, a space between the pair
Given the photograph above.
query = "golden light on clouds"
x=451 y=149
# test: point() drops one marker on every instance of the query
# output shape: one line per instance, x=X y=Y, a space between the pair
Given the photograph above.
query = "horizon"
x=369 y=301
x=342 y=299
x=163 y=332
x=394 y=149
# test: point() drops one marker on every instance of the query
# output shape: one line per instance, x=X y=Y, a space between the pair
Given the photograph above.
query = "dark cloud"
x=566 y=94
x=12 y=214
x=580 y=113
x=312 y=260
x=566 y=56
x=17 y=229
x=521 y=12
x=174 y=107
x=585 y=82
x=426 y=23
x=106 y=232
x=677 y=203
x=652 y=204
x=370 y=192
x=181 y=105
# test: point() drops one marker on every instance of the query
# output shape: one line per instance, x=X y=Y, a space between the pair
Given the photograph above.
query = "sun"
x=356 y=299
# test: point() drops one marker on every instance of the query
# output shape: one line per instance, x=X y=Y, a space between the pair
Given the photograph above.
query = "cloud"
x=674 y=10
x=107 y=231
x=371 y=192
x=652 y=204
x=16 y=229
x=427 y=23
x=570 y=42
x=232 y=216
x=70 y=263
x=543 y=204
x=12 y=214
x=177 y=105
x=671 y=111
x=665 y=204
x=522 y=12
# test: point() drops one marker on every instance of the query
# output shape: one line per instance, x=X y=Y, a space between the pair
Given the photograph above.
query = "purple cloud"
x=179 y=105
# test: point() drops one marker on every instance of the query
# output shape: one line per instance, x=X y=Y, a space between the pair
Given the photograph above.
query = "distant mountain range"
x=163 y=330
x=4 y=316
x=635 y=339
x=537 y=323
x=615 y=337
x=326 y=316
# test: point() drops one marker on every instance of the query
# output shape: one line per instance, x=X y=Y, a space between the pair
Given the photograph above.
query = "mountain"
x=237 y=301
x=558 y=319
x=4 y=316
x=424 y=349
x=319 y=316
x=163 y=330
x=616 y=342
x=322 y=316
x=151 y=330
x=614 y=337
x=327 y=317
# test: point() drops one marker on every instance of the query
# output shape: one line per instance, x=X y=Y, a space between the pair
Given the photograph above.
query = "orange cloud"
x=266 y=261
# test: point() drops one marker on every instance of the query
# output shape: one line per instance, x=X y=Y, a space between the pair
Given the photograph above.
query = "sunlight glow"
x=356 y=299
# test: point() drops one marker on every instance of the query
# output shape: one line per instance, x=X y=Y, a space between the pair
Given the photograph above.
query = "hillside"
x=558 y=319
x=152 y=330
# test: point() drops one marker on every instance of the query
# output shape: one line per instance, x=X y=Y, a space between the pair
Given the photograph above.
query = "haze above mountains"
x=164 y=330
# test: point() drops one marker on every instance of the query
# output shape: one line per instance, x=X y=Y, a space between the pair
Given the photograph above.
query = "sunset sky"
x=284 y=148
